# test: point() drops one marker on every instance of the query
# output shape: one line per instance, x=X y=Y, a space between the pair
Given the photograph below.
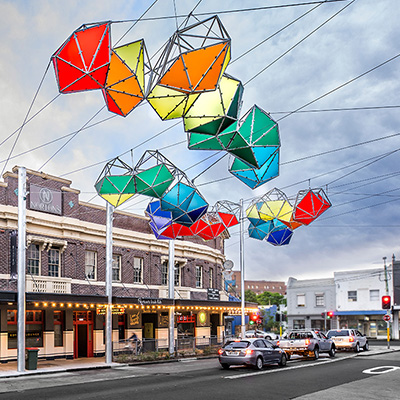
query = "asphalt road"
x=204 y=379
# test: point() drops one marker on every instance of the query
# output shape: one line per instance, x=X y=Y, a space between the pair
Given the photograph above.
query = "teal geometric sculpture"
x=253 y=139
x=260 y=229
x=255 y=177
x=153 y=174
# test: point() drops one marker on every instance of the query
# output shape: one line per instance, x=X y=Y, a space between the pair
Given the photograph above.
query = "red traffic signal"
x=386 y=302
x=329 y=314
x=254 y=317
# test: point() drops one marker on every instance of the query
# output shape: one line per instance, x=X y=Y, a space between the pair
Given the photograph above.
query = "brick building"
x=256 y=286
x=65 y=276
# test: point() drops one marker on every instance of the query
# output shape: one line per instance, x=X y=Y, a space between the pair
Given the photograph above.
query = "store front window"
x=33 y=328
x=58 y=328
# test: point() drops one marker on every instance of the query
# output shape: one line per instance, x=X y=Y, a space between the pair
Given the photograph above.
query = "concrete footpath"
x=9 y=370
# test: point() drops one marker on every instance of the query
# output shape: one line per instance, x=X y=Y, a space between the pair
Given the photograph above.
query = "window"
x=299 y=324
x=164 y=273
x=177 y=275
x=90 y=264
x=374 y=295
x=54 y=262
x=301 y=300
x=137 y=270
x=33 y=329
x=33 y=259
x=116 y=268
x=319 y=300
x=199 y=277
x=58 y=328
x=211 y=278
x=352 y=295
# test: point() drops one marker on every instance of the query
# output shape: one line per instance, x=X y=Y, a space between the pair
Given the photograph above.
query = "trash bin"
x=31 y=357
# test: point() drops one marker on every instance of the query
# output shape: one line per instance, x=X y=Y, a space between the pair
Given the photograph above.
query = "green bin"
x=31 y=357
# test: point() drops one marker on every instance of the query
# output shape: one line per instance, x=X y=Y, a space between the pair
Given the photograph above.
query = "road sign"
x=386 y=317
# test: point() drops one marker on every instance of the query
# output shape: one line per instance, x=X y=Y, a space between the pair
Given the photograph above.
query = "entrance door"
x=214 y=322
x=83 y=334
x=149 y=324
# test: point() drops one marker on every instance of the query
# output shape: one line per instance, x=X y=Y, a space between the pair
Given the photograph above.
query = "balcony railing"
x=48 y=284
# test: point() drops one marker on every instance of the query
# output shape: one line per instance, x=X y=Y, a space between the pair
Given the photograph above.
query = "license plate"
x=338 y=340
x=232 y=353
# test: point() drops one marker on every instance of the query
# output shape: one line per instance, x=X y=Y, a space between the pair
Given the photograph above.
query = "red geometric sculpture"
x=81 y=63
x=209 y=226
x=310 y=204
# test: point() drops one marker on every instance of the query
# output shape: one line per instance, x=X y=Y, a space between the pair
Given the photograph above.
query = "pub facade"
x=65 y=276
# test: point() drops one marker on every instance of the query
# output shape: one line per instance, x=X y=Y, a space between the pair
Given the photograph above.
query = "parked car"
x=261 y=334
x=255 y=352
x=308 y=343
x=348 y=339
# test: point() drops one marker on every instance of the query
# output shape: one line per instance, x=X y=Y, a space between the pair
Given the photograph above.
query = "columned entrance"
x=83 y=334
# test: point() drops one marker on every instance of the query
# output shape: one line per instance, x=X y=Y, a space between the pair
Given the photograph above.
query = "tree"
x=269 y=298
x=250 y=296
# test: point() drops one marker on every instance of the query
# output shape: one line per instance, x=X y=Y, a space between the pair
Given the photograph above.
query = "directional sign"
x=386 y=317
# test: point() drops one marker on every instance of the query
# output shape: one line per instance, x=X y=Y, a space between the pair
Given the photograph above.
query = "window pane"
x=198 y=277
x=54 y=262
x=319 y=300
x=137 y=269
x=90 y=264
x=211 y=278
x=177 y=275
x=374 y=295
x=164 y=273
x=33 y=259
x=301 y=300
x=116 y=267
x=352 y=295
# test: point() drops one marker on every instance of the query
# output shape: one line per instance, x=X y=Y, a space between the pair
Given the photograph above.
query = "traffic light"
x=386 y=302
x=323 y=315
x=329 y=315
x=253 y=319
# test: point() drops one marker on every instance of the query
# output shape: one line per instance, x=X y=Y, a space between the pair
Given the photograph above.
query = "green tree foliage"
x=250 y=296
x=269 y=298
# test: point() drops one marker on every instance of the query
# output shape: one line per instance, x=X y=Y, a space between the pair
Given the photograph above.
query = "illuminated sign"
x=114 y=310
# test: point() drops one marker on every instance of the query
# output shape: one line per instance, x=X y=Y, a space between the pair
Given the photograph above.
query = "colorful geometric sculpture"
x=195 y=58
x=253 y=139
x=275 y=206
x=153 y=174
x=260 y=229
x=115 y=183
x=228 y=211
x=209 y=226
x=255 y=177
x=184 y=201
x=82 y=61
x=124 y=87
x=280 y=234
x=161 y=223
x=212 y=112
x=309 y=205
x=169 y=103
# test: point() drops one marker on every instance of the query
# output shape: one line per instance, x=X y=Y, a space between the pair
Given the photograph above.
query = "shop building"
x=65 y=275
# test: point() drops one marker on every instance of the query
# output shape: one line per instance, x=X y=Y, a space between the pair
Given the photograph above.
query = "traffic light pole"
x=387 y=293
x=243 y=323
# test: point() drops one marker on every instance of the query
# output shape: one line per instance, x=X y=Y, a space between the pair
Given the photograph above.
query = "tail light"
x=351 y=339
x=248 y=352
x=220 y=351
x=308 y=341
x=277 y=343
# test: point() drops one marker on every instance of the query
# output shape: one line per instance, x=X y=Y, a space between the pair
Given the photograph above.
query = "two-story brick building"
x=65 y=275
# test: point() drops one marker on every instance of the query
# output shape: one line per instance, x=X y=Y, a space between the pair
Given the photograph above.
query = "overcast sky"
x=319 y=59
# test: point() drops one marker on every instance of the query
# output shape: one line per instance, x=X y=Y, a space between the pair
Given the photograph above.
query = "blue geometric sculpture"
x=280 y=235
x=260 y=229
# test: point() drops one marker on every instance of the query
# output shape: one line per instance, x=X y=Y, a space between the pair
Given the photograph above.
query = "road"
x=324 y=378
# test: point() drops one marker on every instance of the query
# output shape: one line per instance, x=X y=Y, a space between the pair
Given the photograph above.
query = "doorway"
x=149 y=321
x=83 y=334
x=214 y=322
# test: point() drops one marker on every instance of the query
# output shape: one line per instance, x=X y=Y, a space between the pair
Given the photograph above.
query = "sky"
x=327 y=73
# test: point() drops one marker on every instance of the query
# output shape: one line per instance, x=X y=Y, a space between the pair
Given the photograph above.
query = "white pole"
x=109 y=261
x=21 y=268
x=243 y=324
x=171 y=295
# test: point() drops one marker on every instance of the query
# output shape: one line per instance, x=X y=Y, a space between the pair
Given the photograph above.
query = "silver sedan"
x=252 y=352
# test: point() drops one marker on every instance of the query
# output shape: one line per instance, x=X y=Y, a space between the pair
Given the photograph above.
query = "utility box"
x=31 y=358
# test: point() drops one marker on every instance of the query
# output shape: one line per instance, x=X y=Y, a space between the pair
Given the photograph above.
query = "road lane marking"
x=381 y=370
x=286 y=369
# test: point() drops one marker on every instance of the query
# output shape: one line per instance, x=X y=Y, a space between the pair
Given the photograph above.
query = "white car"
x=261 y=334
x=348 y=339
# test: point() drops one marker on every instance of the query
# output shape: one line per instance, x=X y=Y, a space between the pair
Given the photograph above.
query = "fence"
x=182 y=345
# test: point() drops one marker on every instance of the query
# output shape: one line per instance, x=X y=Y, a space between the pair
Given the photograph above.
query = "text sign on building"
x=114 y=310
x=44 y=199
x=212 y=294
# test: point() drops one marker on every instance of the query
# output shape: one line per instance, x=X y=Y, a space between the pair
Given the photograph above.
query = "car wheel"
x=225 y=366
x=332 y=351
x=288 y=356
x=259 y=363
x=366 y=346
x=283 y=360
x=316 y=353
x=268 y=337
x=357 y=348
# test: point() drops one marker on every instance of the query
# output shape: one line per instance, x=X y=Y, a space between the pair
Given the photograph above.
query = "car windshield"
x=238 y=345
x=300 y=335
x=338 y=333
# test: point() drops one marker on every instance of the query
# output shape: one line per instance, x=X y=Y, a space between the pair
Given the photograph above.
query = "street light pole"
x=243 y=323
x=171 y=295
x=109 y=261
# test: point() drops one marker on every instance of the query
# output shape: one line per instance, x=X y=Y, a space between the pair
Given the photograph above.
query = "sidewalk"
x=9 y=370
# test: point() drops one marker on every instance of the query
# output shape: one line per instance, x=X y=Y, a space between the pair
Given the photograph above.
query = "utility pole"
x=21 y=269
x=171 y=295
x=388 y=311
x=109 y=261
x=241 y=246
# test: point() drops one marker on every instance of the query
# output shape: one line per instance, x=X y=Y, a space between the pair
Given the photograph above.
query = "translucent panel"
x=70 y=53
x=116 y=199
x=310 y=205
x=125 y=102
x=198 y=141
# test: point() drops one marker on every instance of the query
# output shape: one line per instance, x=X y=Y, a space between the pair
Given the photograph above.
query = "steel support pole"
x=241 y=246
x=109 y=261
x=171 y=295
x=21 y=269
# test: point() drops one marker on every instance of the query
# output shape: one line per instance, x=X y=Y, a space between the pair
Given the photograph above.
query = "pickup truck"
x=307 y=343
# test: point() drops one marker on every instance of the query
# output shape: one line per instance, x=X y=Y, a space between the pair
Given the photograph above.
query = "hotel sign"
x=45 y=199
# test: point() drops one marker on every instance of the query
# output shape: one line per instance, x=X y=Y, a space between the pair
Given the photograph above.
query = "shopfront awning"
x=360 y=312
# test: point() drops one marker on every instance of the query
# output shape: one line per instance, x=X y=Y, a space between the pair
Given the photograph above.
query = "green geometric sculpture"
x=153 y=174
x=212 y=112
x=253 y=139
x=115 y=183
